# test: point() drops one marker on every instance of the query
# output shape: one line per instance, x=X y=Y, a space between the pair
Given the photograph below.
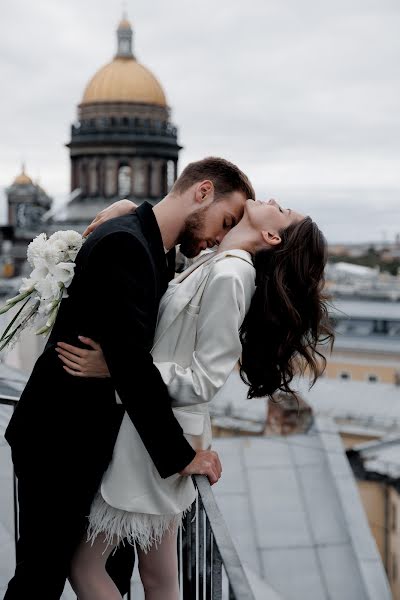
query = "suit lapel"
x=152 y=234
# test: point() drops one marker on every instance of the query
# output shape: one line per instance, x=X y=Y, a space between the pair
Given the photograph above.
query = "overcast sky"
x=302 y=94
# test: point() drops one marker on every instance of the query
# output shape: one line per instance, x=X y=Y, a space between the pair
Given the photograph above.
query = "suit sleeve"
x=120 y=267
x=226 y=299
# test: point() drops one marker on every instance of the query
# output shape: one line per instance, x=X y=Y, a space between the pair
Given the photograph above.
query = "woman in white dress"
x=257 y=299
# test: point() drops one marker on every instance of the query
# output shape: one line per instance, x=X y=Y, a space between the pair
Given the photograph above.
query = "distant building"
x=347 y=280
x=367 y=344
x=377 y=468
x=123 y=144
x=27 y=204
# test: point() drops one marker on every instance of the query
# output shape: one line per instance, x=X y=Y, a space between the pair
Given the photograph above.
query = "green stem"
x=12 y=301
x=13 y=320
x=52 y=316
x=7 y=338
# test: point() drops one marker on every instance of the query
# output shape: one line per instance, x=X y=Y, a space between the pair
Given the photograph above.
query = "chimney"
x=288 y=415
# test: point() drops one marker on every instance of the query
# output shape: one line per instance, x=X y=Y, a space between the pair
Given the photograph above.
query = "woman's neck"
x=238 y=239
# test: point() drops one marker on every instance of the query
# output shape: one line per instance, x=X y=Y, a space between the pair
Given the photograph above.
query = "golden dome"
x=124 y=24
x=124 y=80
x=23 y=179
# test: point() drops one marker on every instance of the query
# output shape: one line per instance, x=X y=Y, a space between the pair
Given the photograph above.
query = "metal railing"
x=12 y=401
x=209 y=565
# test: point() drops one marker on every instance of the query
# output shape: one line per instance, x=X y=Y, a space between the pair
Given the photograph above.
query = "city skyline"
x=304 y=99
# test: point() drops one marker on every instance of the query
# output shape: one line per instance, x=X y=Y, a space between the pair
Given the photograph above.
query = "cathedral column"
x=149 y=170
x=155 y=179
x=74 y=174
x=93 y=179
x=100 y=182
x=164 y=178
x=115 y=176
x=132 y=166
x=83 y=177
x=139 y=177
x=111 y=177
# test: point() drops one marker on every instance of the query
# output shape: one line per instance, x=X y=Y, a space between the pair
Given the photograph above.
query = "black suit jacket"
x=121 y=273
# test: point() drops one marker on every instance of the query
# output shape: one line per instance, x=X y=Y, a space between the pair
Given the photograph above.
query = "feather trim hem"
x=118 y=525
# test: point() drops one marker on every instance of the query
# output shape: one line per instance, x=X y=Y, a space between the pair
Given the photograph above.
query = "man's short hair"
x=226 y=177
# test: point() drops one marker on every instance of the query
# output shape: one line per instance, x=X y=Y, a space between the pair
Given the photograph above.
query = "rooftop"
x=370 y=407
x=381 y=457
x=380 y=344
x=292 y=506
x=366 y=309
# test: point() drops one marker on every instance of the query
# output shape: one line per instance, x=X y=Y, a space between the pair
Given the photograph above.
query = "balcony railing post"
x=201 y=546
x=15 y=502
x=193 y=550
x=216 y=572
x=188 y=583
x=209 y=544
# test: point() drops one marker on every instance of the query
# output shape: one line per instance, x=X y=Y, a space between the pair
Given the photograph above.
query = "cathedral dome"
x=124 y=24
x=22 y=179
x=124 y=80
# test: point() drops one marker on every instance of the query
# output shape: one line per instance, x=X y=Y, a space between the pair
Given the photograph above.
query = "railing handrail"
x=230 y=558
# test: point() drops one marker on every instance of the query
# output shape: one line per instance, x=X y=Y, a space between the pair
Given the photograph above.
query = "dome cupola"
x=124 y=79
x=123 y=144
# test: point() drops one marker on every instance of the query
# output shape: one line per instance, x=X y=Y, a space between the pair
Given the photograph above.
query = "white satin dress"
x=196 y=347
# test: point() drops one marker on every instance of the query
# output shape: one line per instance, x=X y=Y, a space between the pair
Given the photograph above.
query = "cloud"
x=302 y=95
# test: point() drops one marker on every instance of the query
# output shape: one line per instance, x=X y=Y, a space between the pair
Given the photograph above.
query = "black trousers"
x=52 y=522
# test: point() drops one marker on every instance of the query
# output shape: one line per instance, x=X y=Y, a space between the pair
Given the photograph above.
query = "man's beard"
x=192 y=234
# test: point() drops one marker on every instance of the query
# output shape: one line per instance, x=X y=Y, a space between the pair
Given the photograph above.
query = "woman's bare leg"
x=158 y=569
x=88 y=577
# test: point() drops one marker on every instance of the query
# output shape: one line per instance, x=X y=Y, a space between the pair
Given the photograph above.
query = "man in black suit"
x=64 y=428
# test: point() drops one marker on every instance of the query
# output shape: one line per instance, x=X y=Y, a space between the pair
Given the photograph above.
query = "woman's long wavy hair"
x=288 y=316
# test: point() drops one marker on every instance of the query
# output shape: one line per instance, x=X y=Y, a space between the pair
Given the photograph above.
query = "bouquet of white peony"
x=52 y=261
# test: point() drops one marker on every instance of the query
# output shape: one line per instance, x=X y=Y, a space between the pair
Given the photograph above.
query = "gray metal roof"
x=365 y=309
x=374 y=405
x=378 y=344
x=382 y=456
x=293 y=509
x=367 y=406
x=231 y=403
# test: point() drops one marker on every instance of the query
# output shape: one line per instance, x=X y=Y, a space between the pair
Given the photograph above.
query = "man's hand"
x=206 y=462
x=117 y=209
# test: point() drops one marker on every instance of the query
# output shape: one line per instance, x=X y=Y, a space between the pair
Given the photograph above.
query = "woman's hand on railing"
x=206 y=462
x=117 y=209
x=81 y=362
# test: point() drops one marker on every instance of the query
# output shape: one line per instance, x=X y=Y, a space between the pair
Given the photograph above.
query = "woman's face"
x=269 y=216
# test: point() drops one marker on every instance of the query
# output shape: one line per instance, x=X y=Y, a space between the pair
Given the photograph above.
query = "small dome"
x=124 y=80
x=23 y=179
x=124 y=24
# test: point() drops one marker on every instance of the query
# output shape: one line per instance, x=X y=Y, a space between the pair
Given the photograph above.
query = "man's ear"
x=204 y=191
x=271 y=238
